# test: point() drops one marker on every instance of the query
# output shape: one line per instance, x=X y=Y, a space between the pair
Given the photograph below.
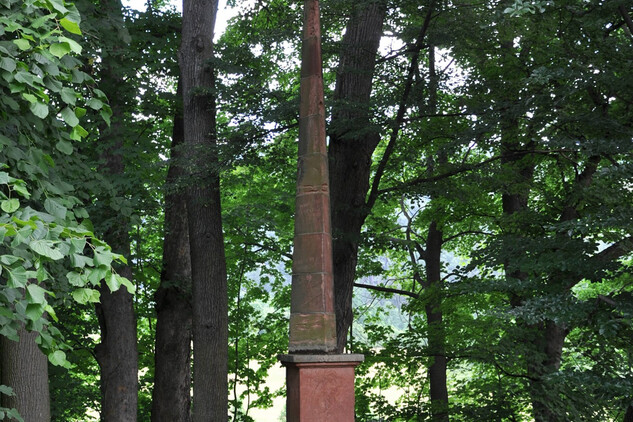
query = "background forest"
x=481 y=167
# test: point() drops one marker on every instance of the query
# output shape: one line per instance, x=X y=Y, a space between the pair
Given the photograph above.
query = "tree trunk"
x=436 y=337
x=433 y=267
x=628 y=417
x=117 y=353
x=171 y=398
x=210 y=302
x=352 y=143
x=549 y=344
x=25 y=369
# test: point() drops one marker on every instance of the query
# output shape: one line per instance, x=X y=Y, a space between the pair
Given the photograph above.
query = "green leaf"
x=97 y=274
x=112 y=281
x=65 y=147
x=69 y=96
x=84 y=296
x=39 y=109
x=77 y=133
x=102 y=256
x=22 y=44
x=6 y=390
x=127 y=283
x=58 y=358
x=14 y=414
x=77 y=245
x=74 y=46
x=17 y=277
x=105 y=115
x=21 y=189
x=9 y=259
x=69 y=117
x=70 y=26
x=36 y=294
x=34 y=311
x=95 y=104
x=76 y=279
x=80 y=112
x=37 y=23
x=7 y=64
x=55 y=208
x=29 y=97
x=44 y=247
x=60 y=49
x=59 y=6
x=51 y=312
x=10 y=205
x=80 y=261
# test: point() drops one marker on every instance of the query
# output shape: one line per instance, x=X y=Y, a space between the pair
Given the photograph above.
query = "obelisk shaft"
x=312 y=318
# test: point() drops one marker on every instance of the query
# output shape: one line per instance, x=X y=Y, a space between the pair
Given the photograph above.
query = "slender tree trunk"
x=117 y=353
x=210 y=302
x=433 y=283
x=352 y=143
x=628 y=417
x=171 y=399
x=434 y=316
x=25 y=369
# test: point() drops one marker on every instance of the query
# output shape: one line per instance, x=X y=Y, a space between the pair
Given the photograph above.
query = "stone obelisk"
x=320 y=384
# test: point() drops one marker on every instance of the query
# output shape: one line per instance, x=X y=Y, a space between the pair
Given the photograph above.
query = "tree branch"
x=402 y=108
x=387 y=290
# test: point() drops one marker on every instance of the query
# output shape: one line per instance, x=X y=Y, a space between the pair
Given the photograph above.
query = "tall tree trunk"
x=171 y=399
x=433 y=283
x=210 y=302
x=117 y=353
x=628 y=416
x=352 y=143
x=25 y=369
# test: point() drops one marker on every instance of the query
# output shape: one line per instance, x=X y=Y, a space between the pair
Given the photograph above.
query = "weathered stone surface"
x=313 y=174
x=309 y=89
x=311 y=214
x=311 y=292
x=314 y=332
x=311 y=253
x=320 y=389
x=313 y=132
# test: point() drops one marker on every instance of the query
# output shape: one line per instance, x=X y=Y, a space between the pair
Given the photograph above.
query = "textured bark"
x=210 y=303
x=352 y=143
x=25 y=369
x=628 y=416
x=434 y=316
x=117 y=353
x=171 y=398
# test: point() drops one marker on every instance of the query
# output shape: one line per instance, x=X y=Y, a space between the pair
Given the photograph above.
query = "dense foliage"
x=496 y=238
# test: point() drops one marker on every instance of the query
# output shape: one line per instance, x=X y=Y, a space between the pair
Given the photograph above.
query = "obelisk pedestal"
x=320 y=388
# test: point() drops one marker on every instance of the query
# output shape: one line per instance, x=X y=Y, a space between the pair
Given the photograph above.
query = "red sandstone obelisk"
x=320 y=384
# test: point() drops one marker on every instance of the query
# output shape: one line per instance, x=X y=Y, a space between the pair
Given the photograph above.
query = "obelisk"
x=320 y=384
x=312 y=317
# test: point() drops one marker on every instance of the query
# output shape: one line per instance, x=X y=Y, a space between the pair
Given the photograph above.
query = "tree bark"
x=171 y=398
x=25 y=370
x=433 y=267
x=210 y=303
x=434 y=317
x=352 y=143
x=117 y=353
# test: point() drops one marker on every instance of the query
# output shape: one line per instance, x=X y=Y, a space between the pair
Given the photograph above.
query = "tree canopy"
x=481 y=167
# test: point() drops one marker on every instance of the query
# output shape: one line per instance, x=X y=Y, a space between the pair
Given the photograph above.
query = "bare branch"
x=387 y=290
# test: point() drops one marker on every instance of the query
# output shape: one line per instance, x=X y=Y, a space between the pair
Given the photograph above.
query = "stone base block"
x=320 y=388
